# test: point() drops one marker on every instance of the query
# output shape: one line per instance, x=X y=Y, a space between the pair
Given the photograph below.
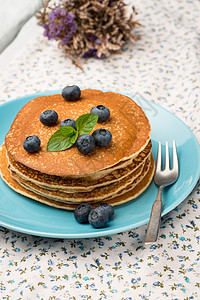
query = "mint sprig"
x=85 y=123
x=66 y=136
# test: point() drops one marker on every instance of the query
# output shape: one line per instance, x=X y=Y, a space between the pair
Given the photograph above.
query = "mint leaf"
x=74 y=136
x=62 y=139
x=85 y=123
x=66 y=136
x=59 y=143
x=67 y=130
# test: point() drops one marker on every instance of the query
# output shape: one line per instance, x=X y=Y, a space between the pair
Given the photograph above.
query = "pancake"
x=128 y=124
x=98 y=194
x=128 y=196
x=77 y=185
x=64 y=179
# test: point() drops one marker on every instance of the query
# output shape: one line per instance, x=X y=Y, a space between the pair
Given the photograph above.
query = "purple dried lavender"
x=93 y=51
x=90 y=53
x=61 y=25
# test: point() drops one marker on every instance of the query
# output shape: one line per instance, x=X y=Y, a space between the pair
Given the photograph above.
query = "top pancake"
x=128 y=124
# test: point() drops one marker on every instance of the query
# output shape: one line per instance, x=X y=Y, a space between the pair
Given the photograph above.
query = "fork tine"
x=166 y=156
x=158 y=161
x=175 y=157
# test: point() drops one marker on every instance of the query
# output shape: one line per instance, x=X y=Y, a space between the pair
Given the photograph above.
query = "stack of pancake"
x=114 y=174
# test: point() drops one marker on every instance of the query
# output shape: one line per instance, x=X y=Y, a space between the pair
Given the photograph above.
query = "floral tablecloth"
x=163 y=67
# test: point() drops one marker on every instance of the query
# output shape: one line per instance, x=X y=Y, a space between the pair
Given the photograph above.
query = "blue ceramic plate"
x=28 y=216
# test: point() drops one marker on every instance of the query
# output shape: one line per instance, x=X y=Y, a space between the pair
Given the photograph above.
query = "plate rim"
x=107 y=231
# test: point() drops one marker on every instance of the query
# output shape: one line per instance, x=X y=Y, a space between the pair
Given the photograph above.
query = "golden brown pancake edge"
x=130 y=195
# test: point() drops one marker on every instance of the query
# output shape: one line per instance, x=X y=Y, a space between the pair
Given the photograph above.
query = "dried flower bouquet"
x=86 y=28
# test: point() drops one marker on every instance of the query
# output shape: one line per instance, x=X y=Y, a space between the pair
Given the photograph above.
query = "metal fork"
x=162 y=179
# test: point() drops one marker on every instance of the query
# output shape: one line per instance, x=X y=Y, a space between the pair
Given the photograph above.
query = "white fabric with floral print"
x=163 y=67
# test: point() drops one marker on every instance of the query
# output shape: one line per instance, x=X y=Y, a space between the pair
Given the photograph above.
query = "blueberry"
x=85 y=143
x=98 y=217
x=81 y=213
x=68 y=122
x=109 y=208
x=71 y=93
x=49 y=117
x=31 y=143
x=102 y=137
x=101 y=111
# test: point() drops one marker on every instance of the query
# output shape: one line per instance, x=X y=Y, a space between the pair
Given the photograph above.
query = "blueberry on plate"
x=71 y=93
x=98 y=217
x=31 y=143
x=102 y=137
x=109 y=208
x=68 y=122
x=102 y=111
x=81 y=212
x=85 y=143
x=49 y=117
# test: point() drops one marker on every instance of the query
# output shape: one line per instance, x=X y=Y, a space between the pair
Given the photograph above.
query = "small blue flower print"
x=175 y=246
x=189 y=246
x=101 y=243
x=156 y=258
x=134 y=235
x=50 y=262
x=133 y=280
x=17 y=250
x=153 y=247
x=179 y=284
x=190 y=269
x=86 y=278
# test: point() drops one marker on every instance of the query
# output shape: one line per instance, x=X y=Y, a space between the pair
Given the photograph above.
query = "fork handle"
x=154 y=222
